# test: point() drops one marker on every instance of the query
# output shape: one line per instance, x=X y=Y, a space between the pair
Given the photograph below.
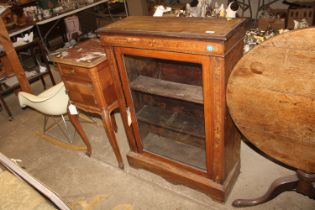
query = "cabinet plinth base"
x=216 y=191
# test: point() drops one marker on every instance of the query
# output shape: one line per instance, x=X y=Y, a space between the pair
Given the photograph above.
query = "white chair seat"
x=53 y=101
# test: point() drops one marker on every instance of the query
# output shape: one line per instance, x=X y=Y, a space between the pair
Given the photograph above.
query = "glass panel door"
x=168 y=101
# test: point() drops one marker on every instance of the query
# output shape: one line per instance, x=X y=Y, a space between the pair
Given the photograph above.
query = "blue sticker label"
x=210 y=48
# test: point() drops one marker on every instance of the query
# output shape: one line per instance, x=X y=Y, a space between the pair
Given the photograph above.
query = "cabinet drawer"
x=71 y=73
x=81 y=93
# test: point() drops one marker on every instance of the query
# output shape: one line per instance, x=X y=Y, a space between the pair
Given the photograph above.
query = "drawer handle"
x=72 y=71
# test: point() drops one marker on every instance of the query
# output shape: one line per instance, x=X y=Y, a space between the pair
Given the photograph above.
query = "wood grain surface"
x=271 y=97
x=79 y=51
x=203 y=28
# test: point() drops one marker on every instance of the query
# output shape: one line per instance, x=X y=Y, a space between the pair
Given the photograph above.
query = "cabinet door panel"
x=164 y=91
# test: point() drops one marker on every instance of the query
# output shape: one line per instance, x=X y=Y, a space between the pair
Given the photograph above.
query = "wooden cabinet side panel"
x=231 y=133
x=207 y=76
x=105 y=92
x=235 y=40
x=226 y=139
x=217 y=68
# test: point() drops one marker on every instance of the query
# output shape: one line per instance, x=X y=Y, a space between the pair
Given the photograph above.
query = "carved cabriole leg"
x=109 y=129
x=76 y=123
x=301 y=182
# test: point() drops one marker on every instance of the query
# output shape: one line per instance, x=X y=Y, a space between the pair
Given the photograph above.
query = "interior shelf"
x=175 y=150
x=190 y=93
x=176 y=121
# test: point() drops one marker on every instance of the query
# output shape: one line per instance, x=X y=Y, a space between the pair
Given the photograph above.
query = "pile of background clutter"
x=271 y=22
x=256 y=36
x=276 y=21
x=199 y=8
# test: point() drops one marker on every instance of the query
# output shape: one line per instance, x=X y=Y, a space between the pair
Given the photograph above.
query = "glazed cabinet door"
x=169 y=95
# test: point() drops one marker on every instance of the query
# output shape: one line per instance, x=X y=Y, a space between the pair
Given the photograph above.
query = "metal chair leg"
x=65 y=130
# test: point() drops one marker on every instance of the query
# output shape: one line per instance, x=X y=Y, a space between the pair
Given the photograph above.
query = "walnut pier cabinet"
x=171 y=74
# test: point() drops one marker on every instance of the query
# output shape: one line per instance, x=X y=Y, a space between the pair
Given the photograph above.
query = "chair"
x=52 y=102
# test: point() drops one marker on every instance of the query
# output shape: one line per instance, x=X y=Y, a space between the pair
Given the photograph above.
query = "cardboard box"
x=275 y=23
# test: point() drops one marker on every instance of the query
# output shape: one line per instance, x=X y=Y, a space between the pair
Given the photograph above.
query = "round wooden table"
x=271 y=98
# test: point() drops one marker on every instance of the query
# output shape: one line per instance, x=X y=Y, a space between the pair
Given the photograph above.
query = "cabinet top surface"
x=86 y=54
x=180 y=27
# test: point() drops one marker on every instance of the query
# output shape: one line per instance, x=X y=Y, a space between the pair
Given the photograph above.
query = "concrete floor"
x=97 y=183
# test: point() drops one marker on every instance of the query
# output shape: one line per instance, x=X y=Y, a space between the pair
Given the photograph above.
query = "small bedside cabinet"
x=86 y=73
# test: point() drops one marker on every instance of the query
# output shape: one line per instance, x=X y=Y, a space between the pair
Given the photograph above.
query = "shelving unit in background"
x=111 y=12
